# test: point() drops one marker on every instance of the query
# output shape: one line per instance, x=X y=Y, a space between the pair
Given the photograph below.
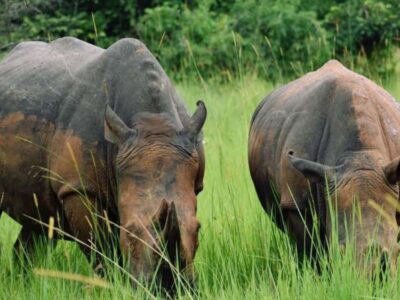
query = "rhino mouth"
x=168 y=279
x=162 y=262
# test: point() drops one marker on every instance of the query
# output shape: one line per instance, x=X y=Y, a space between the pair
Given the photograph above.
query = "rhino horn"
x=166 y=221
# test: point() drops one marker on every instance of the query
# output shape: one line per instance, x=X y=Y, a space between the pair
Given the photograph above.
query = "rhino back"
x=312 y=117
x=127 y=77
x=69 y=82
x=35 y=77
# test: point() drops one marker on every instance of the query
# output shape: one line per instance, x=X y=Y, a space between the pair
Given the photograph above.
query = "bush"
x=273 y=38
x=98 y=22
x=365 y=30
x=40 y=27
x=276 y=39
x=290 y=40
x=186 y=40
x=363 y=25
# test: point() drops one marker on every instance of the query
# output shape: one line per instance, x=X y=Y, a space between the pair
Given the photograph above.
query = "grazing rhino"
x=329 y=139
x=93 y=137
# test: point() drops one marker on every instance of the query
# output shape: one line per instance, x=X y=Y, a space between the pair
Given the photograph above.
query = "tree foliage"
x=274 y=38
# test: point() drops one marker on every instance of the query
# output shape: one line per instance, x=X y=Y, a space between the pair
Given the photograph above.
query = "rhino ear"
x=392 y=171
x=315 y=172
x=115 y=130
x=197 y=120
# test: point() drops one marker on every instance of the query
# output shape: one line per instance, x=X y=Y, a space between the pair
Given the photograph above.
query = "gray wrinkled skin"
x=332 y=132
x=58 y=143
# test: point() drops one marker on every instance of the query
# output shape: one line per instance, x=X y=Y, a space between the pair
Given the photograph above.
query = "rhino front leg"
x=85 y=226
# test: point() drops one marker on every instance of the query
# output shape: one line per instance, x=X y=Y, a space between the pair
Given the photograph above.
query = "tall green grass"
x=242 y=255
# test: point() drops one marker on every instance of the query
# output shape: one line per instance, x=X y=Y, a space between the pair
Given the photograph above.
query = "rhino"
x=98 y=143
x=328 y=144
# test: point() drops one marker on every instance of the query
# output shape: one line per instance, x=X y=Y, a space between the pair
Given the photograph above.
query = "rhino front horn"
x=166 y=220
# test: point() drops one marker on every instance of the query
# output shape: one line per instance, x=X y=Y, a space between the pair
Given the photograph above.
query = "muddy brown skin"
x=334 y=127
x=87 y=132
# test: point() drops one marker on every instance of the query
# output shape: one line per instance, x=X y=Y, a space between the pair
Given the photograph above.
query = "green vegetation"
x=241 y=253
x=274 y=39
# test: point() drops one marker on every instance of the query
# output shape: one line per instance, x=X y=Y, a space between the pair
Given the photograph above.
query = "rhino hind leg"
x=87 y=229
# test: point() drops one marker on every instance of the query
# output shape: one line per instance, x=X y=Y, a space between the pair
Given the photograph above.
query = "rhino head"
x=363 y=195
x=159 y=171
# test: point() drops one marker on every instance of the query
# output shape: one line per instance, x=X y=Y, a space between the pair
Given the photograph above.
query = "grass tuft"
x=242 y=255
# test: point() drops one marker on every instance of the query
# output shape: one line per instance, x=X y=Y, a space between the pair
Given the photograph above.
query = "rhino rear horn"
x=313 y=171
x=115 y=130
x=197 y=120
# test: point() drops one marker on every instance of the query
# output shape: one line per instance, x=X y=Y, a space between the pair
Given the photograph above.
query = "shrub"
x=273 y=38
x=188 y=40
x=290 y=40
x=363 y=25
x=365 y=30
x=48 y=20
